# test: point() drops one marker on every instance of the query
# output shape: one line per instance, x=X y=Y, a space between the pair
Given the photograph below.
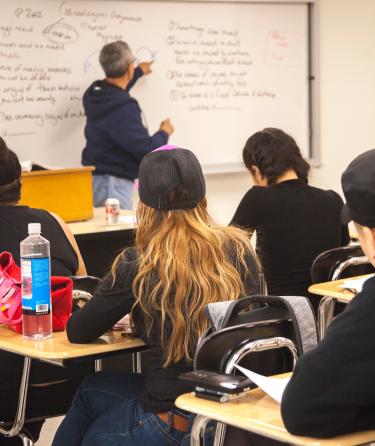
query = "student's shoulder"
x=329 y=195
x=256 y=193
x=122 y=272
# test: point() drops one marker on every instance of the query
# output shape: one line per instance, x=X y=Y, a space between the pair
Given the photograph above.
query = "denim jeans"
x=108 y=186
x=106 y=411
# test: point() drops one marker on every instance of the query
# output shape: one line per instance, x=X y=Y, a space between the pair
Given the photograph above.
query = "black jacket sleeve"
x=111 y=301
x=332 y=390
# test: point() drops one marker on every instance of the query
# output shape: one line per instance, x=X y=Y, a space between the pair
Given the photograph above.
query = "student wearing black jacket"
x=294 y=221
x=332 y=389
x=51 y=388
x=116 y=138
x=181 y=262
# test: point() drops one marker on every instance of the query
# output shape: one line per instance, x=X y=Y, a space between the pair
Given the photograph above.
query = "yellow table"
x=57 y=350
x=332 y=292
x=258 y=413
x=99 y=243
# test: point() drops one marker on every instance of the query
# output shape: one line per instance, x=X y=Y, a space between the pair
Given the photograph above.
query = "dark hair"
x=274 y=152
x=10 y=175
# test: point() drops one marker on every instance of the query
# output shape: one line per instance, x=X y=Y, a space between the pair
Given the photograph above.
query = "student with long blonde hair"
x=181 y=262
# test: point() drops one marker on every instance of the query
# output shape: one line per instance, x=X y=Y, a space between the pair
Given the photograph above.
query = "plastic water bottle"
x=36 y=285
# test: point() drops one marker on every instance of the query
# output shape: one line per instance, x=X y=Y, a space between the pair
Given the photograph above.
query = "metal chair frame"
x=327 y=304
x=200 y=422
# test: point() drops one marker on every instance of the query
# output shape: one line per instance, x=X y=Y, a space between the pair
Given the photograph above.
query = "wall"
x=347 y=102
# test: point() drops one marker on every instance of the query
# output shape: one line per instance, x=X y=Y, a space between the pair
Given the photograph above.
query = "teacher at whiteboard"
x=116 y=139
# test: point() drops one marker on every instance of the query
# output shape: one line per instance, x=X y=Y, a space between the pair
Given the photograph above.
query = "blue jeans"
x=108 y=186
x=106 y=411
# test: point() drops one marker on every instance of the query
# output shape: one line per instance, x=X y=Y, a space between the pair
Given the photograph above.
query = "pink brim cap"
x=166 y=147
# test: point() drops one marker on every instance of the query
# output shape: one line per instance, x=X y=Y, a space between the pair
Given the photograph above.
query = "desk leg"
x=25 y=440
x=22 y=399
x=325 y=314
x=220 y=432
x=197 y=430
x=137 y=362
x=98 y=365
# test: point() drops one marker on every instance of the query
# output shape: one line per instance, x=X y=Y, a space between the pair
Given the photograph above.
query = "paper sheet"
x=355 y=284
x=274 y=387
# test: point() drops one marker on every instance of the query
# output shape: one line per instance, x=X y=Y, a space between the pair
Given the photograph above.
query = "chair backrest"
x=258 y=318
x=324 y=266
x=83 y=289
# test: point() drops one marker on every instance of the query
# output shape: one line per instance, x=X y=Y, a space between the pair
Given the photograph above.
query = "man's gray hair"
x=115 y=59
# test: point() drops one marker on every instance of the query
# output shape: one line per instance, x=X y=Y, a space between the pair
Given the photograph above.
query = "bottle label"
x=36 y=287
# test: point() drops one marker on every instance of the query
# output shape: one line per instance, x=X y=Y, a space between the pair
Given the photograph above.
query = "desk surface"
x=352 y=231
x=258 y=413
x=332 y=289
x=59 y=348
x=98 y=223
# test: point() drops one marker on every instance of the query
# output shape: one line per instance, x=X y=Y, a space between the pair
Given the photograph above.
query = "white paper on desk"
x=274 y=387
x=355 y=284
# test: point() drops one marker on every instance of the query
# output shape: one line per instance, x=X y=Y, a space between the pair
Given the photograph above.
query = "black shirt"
x=113 y=300
x=294 y=223
x=13 y=229
x=332 y=390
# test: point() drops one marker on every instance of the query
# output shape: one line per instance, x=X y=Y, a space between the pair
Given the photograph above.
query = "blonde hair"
x=185 y=262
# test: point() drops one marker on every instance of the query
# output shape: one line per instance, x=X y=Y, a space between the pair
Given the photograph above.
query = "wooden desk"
x=258 y=413
x=100 y=243
x=331 y=292
x=57 y=350
x=332 y=289
x=98 y=225
x=352 y=231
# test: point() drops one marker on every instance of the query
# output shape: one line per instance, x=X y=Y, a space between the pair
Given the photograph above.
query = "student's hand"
x=167 y=126
x=146 y=67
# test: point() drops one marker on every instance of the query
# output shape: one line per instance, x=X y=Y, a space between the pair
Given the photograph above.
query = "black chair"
x=260 y=333
x=346 y=261
x=83 y=289
x=334 y=264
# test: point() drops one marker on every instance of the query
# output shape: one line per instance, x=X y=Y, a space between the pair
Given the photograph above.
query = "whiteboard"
x=221 y=72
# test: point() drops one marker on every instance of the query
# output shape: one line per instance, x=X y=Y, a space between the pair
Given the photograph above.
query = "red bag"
x=11 y=300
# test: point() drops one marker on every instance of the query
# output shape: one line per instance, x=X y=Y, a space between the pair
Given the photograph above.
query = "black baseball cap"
x=163 y=170
x=358 y=185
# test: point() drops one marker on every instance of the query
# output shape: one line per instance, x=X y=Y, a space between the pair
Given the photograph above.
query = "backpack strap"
x=303 y=321
x=217 y=312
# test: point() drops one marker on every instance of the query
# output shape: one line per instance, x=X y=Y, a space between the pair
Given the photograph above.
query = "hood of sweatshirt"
x=101 y=98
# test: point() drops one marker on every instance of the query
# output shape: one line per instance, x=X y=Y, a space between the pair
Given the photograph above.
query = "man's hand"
x=146 y=67
x=167 y=126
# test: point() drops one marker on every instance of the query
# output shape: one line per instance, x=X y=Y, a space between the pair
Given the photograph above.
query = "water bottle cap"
x=34 y=228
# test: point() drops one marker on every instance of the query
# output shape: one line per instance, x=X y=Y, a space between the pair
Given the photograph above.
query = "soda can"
x=112 y=211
